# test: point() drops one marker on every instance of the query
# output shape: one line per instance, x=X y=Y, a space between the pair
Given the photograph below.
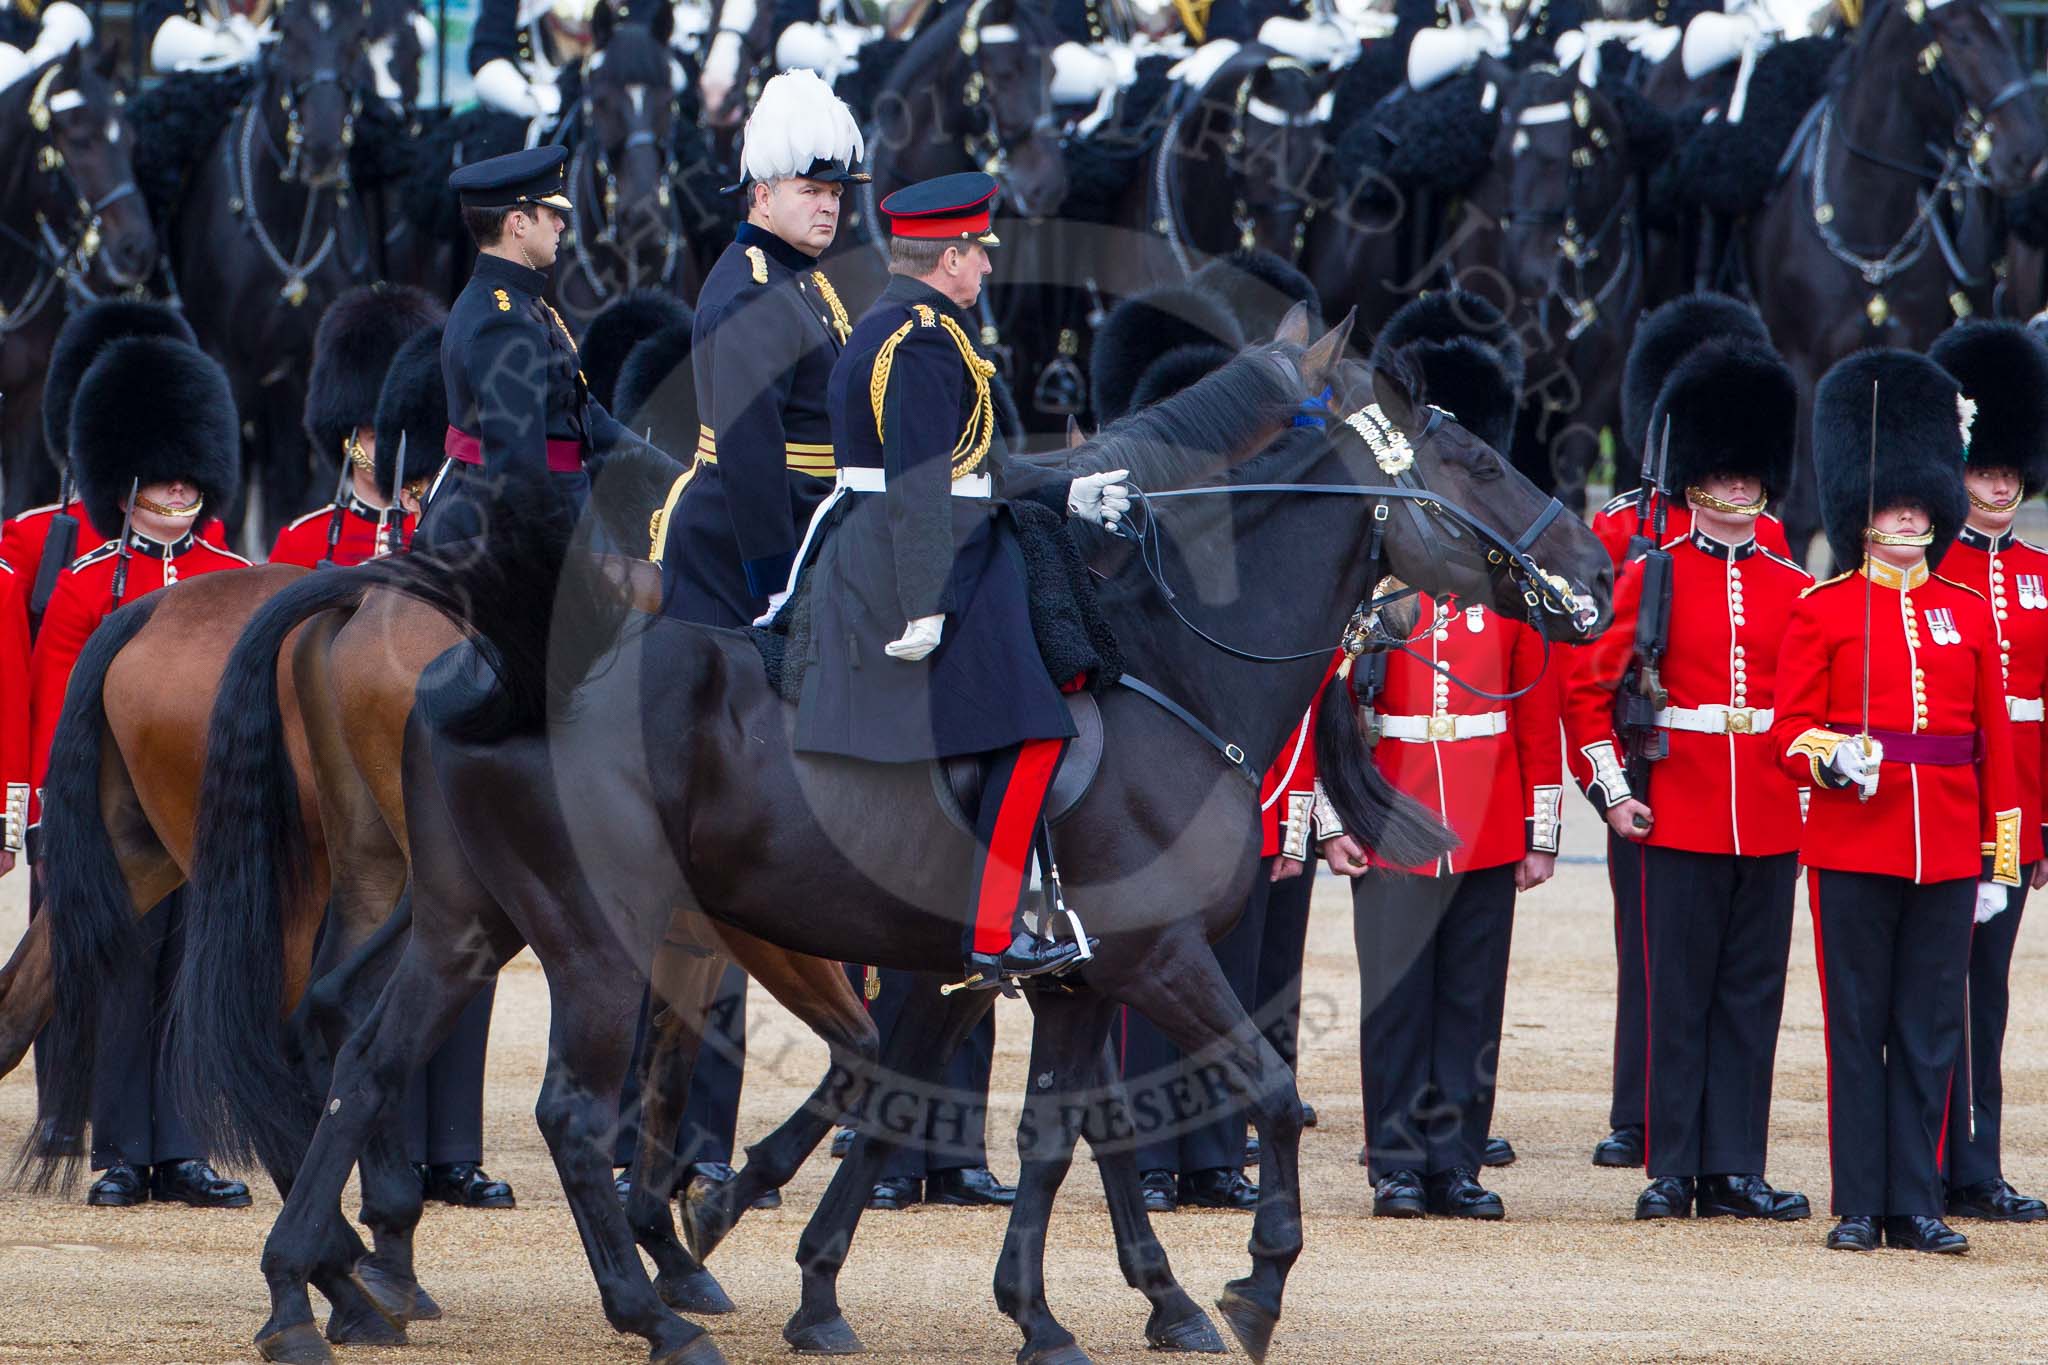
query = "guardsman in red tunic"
x=14 y=751
x=352 y=351
x=2003 y=368
x=1661 y=341
x=1914 y=827
x=155 y=447
x=1466 y=722
x=1718 y=820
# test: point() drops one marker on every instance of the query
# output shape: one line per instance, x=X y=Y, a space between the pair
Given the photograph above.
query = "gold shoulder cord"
x=571 y=336
x=840 y=322
x=1194 y=16
x=972 y=447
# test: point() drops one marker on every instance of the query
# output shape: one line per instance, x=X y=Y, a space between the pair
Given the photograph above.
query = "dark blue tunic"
x=761 y=352
x=915 y=550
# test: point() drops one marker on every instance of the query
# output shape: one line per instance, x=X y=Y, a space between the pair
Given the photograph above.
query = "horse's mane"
x=1187 y=438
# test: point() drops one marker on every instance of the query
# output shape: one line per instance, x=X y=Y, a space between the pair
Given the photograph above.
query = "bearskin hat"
x=1919 y=452
x=150 y=409
x=83 y=334
x=1259 y=288
x=1662 y=340
x=1734 y=409
x=2003 y=368
x=1467 y=356
x=657 y=391
x=412 y=411
x=1144 y=328
x=358 y=335
x=618 y=328
x=1179 y=368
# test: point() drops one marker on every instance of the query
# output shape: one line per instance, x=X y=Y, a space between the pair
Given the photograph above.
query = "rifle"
x=127 y=544
x=1641 y=543
x=340 y=511
x=60 y=547
x=1642 y=693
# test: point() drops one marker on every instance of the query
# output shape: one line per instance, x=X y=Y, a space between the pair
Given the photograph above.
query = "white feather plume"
x=797 y=120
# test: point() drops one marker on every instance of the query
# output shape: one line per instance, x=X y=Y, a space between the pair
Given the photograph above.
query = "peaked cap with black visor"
x=515 y=180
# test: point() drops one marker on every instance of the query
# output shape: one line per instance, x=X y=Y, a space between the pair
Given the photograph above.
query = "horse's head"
x=1969 y=76
x=1260 y=133
x=629 y=114
x=321 y=68
x=1006 y=71
x=1539 y=563
x=742 y=42
x=1561 y=158
x=396 y=46
x=85 y=185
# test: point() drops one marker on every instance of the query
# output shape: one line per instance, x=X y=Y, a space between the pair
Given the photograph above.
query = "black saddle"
x=958 y=782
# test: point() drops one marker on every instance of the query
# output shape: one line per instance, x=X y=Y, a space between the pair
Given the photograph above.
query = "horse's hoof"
x=1249 y=1323
x=399 y=1299
x=699 y=1350
x=364 y=1323
x=833 y=1337
x=1193 y=1334
x=298 y=1344
x=705 y=1220
x=694 y=1294
x=1069 y=1354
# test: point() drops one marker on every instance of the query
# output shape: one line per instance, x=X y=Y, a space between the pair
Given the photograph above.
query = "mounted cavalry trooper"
x=1697 y=623
x=1465 y=722
x=157 y=451
x=517 y=50
x=30 y=37
x=920 y=611
x=2002 y=368
x=1891 y=702
x=769 y=326
x=202 y=35
x=518 y=405
x=821 y=36
x=359 y=336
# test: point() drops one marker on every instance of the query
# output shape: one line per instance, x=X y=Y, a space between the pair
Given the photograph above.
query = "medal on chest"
x=1475 y=619
x=1941 y=624
x=2033 y=592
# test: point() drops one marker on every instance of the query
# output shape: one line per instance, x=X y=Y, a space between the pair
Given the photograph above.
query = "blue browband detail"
x=1314 y=410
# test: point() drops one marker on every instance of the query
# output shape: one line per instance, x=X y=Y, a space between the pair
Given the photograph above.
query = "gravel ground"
x=1569 y=1276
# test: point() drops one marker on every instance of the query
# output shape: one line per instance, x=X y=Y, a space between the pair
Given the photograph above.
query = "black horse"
x=269 y=232
x=1552 y=235
x=1159 y=850
x=1857 y=247
x=72 y=227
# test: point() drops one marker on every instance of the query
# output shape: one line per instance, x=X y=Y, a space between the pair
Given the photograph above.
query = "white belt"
x=2025 y=708
x=1717 y=719
x=868 y=479
x=1432 y=729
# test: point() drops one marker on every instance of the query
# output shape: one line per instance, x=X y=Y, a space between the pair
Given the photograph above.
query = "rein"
x=587 y=167
x=57 y=262
x=238 y=156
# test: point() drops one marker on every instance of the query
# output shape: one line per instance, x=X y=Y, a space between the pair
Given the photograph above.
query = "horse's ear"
x=662 y=24
x=1075 y=436
x=1320 y=361
x=1293 y=329
x=106 y=59
x=1393 y=388
x=603 y=22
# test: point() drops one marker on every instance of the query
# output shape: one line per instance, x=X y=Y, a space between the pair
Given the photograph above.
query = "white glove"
x=920 y=638
x=181 y=45
x=1991 y=901
x=1315 y=41
x=1080 y=74
x=64 y=27
x=1858 y=768
x=502 y=86
x=1100 y=498
x=775 y=601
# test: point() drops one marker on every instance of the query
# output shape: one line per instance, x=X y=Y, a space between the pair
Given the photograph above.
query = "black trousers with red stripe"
x=1717 y=930
x=1433 y=973
x=1972 y=1161
x=1631 y=1047
x=1893 y=958
x=1012 y=796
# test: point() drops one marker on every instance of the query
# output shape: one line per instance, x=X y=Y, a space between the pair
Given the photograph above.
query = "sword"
x=1869 y=517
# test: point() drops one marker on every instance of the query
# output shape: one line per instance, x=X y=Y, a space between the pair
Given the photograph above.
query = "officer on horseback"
x=202 y=35
x=916 y=534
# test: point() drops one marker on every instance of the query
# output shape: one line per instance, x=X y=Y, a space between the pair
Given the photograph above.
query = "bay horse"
x=269 y=232
x=72 y=228
x=723 y=819
x=1552 y=235
x=1856 y=247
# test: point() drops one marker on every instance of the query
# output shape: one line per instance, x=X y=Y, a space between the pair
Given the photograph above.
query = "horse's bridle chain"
x=58 y=262
x=585 y=167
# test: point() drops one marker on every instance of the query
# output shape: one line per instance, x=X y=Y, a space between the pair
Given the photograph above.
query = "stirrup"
x=1056 y=902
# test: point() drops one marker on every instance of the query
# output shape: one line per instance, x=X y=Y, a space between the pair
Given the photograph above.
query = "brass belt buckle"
x=1741 y=720
x=1443 y=727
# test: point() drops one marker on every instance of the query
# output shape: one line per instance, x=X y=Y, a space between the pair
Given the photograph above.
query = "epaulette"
x=1775 y=557
x=758 y=259
x=1964 y=586
x=25 y=513
x=1826 y=582
x=91 y=557
x=1619 y=503
x=317 y=512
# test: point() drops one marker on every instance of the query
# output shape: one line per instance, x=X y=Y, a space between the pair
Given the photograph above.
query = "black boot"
x=1750 y=1196
x=120 y=1186
x=967 y=1185
x=1669 y=1196
x=1219 y=1187
x=1161 y=1191
x=1399 y=1195
x=196 y=1183
x=1499 y=1152
x=1857 y=1232
x=1919 y=1233
x=1995 y=1202
x=1027 y=956
x=1622 y=1147
x=468 y=1186
x=842 y=1143
x=897 y=1192
x=1457 y=1193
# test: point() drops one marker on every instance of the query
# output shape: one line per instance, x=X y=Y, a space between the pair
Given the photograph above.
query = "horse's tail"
x=86 y=899
x=1392 y=825
x=230 y=1064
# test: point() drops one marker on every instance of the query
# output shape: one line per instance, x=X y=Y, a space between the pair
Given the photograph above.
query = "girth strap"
x=1231 y=753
